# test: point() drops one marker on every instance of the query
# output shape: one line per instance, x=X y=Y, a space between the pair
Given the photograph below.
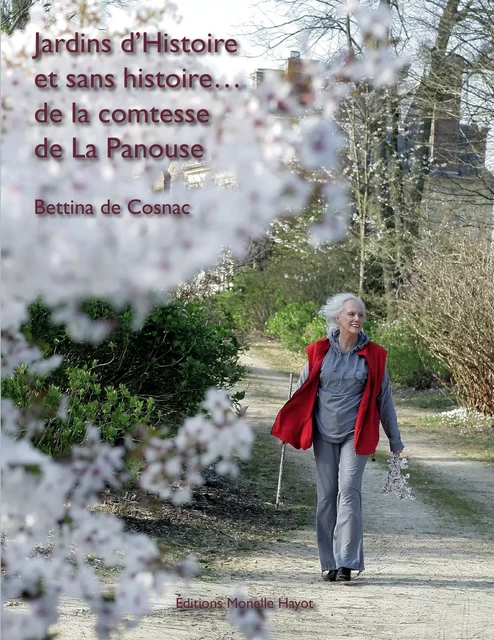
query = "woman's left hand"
x=397 y=453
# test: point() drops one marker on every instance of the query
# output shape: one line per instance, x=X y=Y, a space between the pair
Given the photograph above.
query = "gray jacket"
x=342 y=381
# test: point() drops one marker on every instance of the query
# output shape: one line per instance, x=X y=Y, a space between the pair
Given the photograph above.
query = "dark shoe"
x=329 y=576
x=343 y=575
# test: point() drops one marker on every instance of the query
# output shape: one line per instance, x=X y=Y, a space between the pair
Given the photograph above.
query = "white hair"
x=334 y=307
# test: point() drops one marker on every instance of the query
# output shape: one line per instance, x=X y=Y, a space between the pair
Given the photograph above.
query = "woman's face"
x=352 y=317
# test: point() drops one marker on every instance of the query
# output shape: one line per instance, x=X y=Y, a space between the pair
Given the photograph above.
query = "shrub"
x=408 y=362
x=251 y=301
x=291 y=322
x=316 y=329
x=450 y=301
x=172 y=359
x=114 y=410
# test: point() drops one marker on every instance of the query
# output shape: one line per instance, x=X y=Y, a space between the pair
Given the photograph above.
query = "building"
x=459 y=186
x=194 y=173
x=293 y=72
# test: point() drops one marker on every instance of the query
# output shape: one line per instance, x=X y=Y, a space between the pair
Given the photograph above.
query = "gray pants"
x=339 y=505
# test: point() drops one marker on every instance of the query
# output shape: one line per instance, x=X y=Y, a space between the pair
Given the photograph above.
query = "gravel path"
x=426 y=577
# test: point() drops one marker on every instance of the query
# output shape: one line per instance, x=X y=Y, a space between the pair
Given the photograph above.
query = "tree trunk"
x=426 y=100
x=20 y=13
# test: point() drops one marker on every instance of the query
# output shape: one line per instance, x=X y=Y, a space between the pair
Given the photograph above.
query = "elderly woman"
x=342 y=395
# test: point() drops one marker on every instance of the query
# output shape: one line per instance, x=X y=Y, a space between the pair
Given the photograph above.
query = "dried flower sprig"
x=396 y=482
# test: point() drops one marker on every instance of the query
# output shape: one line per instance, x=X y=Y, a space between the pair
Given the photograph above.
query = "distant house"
x=259 y=76
x=193 y=173
x=292 y=72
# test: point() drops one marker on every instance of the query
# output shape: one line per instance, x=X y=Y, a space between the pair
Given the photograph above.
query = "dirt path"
x=474 y=481
x=426 y=577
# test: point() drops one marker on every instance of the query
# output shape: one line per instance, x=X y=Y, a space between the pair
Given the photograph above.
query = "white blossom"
x=250 y=620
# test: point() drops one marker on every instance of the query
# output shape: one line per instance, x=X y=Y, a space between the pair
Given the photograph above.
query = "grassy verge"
x=468 y=436
x=426 y=485
x=433 y=399
x=227 y=517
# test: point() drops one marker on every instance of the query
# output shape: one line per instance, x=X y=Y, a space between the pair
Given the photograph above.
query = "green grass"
x=439 y=401
x=427 y=486
x=472 y=440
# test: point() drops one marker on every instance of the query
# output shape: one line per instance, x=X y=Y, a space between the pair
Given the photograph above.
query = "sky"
x=223 y=19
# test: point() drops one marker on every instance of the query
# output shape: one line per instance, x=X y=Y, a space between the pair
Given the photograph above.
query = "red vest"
x=293 y=423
